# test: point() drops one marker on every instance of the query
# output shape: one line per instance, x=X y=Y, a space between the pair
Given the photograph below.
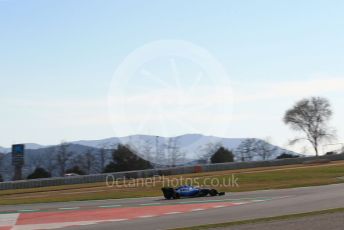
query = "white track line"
x=70 y=208
x=110 y=206
x=172 y=213
x=197 y=209
x=147 y=216
x=28 y=210
x=240 y=203
x=148 y=204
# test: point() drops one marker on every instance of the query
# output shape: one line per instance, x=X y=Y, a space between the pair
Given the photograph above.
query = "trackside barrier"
x=158 y=172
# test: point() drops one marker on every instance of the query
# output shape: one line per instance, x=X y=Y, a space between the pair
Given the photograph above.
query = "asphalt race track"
x=157 y=213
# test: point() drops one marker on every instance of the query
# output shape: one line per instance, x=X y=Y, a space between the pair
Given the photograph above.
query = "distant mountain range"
x=190 y=144
x=190 y=148
x=27 y=146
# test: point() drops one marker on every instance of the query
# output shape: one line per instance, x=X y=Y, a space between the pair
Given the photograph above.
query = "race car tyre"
x=169 y=193
x=176 y=196
x=203 y=192
x=213 y=192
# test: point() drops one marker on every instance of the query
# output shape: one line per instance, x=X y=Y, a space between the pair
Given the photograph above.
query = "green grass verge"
x=263 y=220
x=248 y=180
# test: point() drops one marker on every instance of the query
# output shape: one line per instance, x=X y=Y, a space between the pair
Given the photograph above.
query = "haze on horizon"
x=58 y=59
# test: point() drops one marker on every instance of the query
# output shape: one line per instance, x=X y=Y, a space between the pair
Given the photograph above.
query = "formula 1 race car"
x=189 y=191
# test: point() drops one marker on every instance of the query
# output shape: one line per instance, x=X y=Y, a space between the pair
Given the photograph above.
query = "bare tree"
x=103 y=157
x=36 y=160
x=2 y=169
x=42 y=159
x=89 y=161
x=2 y=155
x=147 y=150
x=62 y=157
x=6 y=167
x=264 y=149
x=173 y=152
x=311 y=116
x=247 y=149
x=84 y=162
x=49 y=160
x=160 y=157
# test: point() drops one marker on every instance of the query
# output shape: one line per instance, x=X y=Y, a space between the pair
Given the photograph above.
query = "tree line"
x=125 y=158
x=309 y=116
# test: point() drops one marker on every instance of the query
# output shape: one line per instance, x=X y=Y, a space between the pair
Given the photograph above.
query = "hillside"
x=161 y=151
x=193 y=146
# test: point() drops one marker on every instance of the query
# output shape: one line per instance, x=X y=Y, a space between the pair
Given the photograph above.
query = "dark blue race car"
x=189 y=191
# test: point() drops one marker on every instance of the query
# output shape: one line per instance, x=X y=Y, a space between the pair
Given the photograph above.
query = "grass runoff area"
x=264 y=220
x=247 y=180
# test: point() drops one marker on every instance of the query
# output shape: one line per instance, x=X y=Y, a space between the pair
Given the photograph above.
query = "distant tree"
x=49 y=160
x=264 y=149
x=247 y=149
x=222 y=155
x=62 y=156
x=88 y=161
x=286 y=156
x=173 y=152
x=103 y=157
x=111 y=167
x=208 y=151
x=311 y=116
x=5 y=167
x=75 y=169
x=2 y=155
x=43 y=158
x=83 y=161
x=36 y=160
x=160 y=158
x=124 y=159
x=39 y=173
x=147 y=151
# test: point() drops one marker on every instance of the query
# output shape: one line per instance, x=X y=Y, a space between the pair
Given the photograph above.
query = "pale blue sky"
x=57 y=60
